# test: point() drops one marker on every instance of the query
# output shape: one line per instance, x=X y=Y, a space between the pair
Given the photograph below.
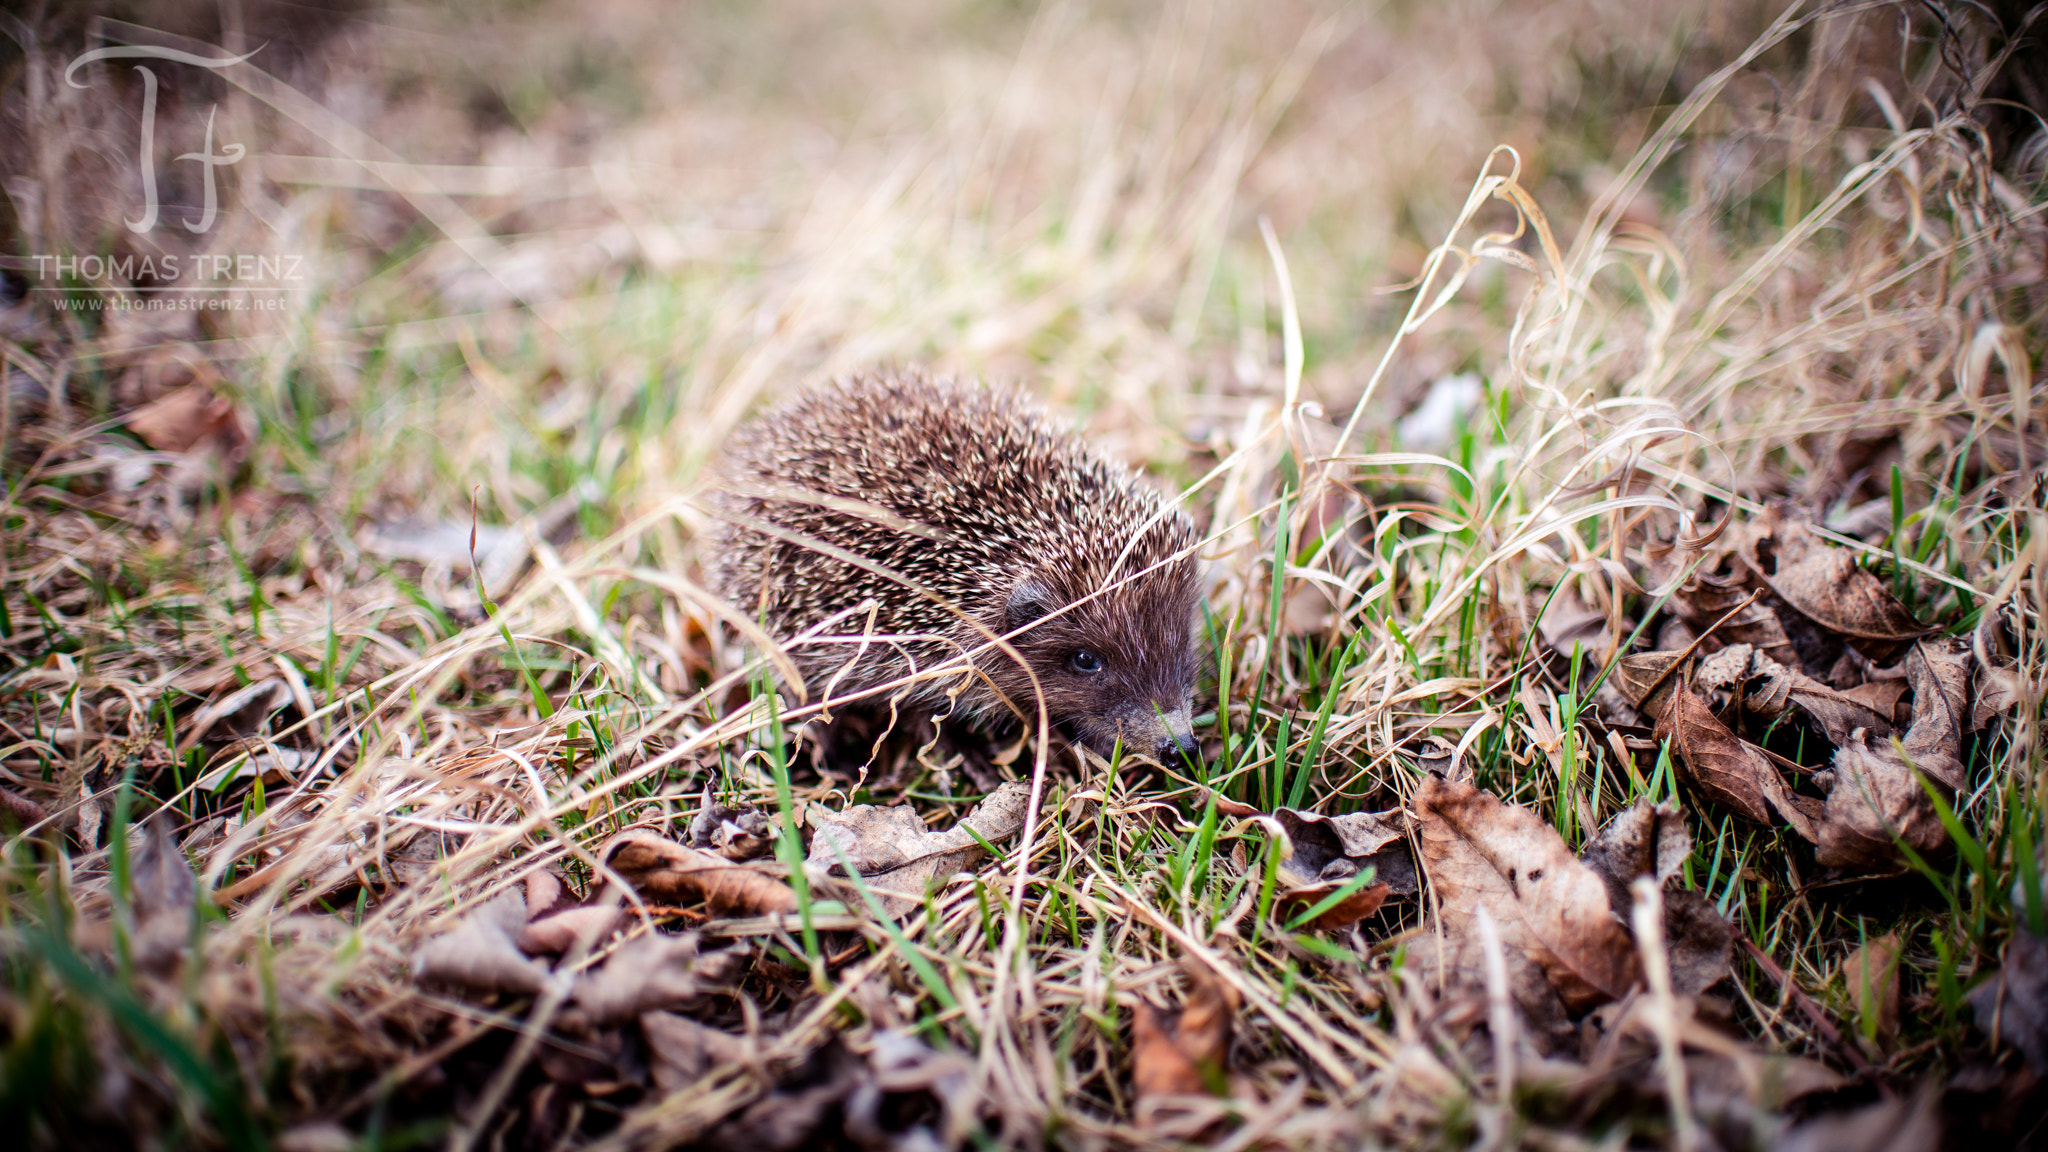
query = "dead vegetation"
x=1624 y=724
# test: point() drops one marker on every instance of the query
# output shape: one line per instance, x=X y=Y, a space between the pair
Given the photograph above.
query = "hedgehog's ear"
x=1029 y=601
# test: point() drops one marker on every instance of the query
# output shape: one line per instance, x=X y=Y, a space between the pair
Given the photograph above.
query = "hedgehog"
x=894 y=523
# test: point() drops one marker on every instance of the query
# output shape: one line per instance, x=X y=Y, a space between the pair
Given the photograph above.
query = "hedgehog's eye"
x=1085 y=662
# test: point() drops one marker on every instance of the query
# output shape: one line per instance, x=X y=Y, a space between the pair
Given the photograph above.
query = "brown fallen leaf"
x=1884 y=697
x=1824 y=583
x=563 y=929
x=1329 y=850
x=1874 y=795
x=902 y=1065
x=1182 y=1052
x=184 y=418
x=1939 y=673
x=1647 y=679
x=1742 y=618
x=481 y=953
x=1553 y=912
x=657 y=971
x=1870 y=975
x=1767 y=688
x=1999 y=690
x=2012 y=1007
x=162 y=892
x=1727 y=769
x=1652 y=840
x=898 y=857
x=736 y=833
x=665 y=870
x=682 y=1051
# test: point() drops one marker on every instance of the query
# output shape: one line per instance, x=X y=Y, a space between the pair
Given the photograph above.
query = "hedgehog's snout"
x=1179 y=739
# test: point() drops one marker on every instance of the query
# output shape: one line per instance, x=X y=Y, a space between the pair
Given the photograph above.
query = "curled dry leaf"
x=1648 y=679
x=654 y=972
x=1652 y=840
x=1767 y=688
x=1741 y=616
x=563 y=929
x=1825 y=584
x=1329 y=850
x=735 y=832
x=665 y=870
x=481 y=952
x=499 y=551
x=1875 y=796
x=1554 y=916
x=681 y=1050
x=1998 y=692
x=897 y=856
x=1184 y=1051
x=1728 y=769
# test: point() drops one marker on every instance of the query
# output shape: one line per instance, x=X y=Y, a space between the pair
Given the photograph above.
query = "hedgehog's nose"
x=1179 y=737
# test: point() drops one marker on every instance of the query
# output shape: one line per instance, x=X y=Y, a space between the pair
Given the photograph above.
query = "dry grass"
x=1695 y=268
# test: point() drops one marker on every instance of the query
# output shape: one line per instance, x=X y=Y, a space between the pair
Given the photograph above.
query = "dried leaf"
x=2012 y=1007
x=1870 y=975
x=736 y=833
x=1708 y=601
x=1652 y=840
x=563 y=929
x=683 y=1050
x=665 y=870
x=480 y=953
x=1875 y=796
x=163 y=892
x=1646 y=679
x=1882 y=697
x=1939 y=671
x=1698 y=941
x=499 y=551
x=898 y=857
x=1726 y=769
x=1824 y=583
x=654 y=972
x=1439 y=757
x=181 y=419
x=1184 y=1051
x=1328 y=851
x=1553 y=911
x=1998 y=692
x=1642 y=840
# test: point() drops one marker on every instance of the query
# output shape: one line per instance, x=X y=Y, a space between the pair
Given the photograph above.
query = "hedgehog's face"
x=1120 y=666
